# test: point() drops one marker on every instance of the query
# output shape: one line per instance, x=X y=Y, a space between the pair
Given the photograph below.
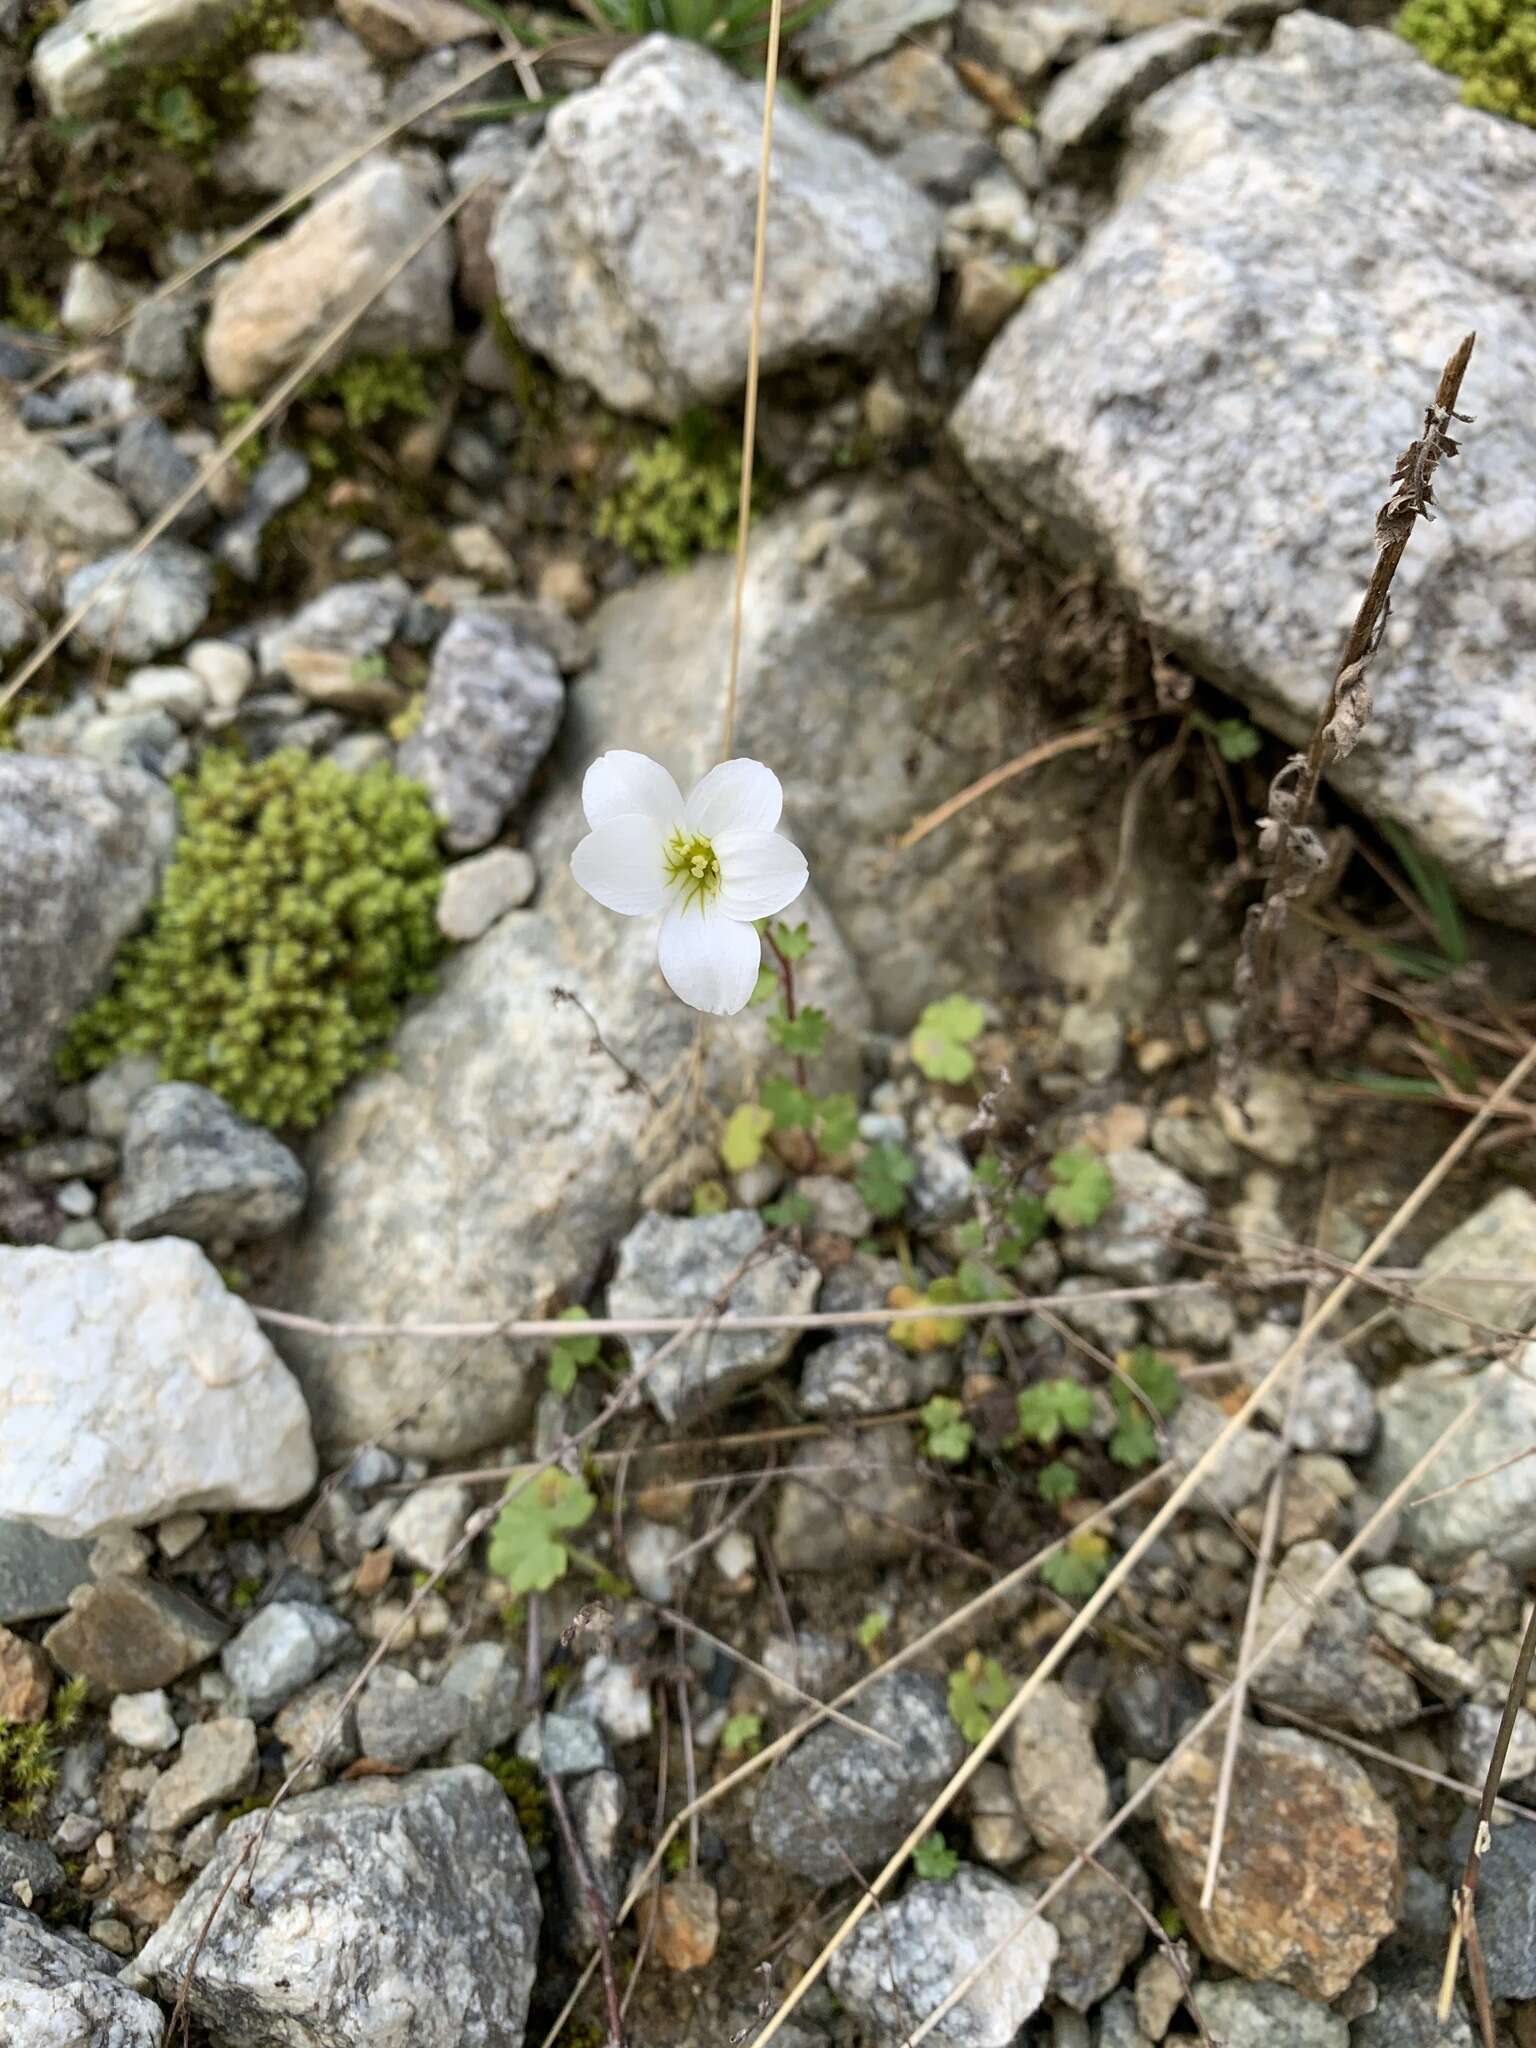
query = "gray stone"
x=1398 y=1590
x=633 y=202
x=311 y=106
x=152 y=607
x=904 y=1960
x=493 y=705
x=1328 y=1666
x=1242 y=1468
x=1406 y=2013
x=564 y=1745
x=1203 y=1321
x=279 y=482
x=1100 y=90
x=144 y=1721
x=38 y=1572
x=402 y=1722
x=1334 y=1408
x=28 y=1870
x=357 y=619
x=1113 y=1325
x=148 y=740
x=160 y=344
x=1472 y=1738
x=59 y=1990
x=46 y=495
x=1263 y=210
x=110 y=1095
x=1275 y=1120
x=810 y=1662
x=1247 y=2015
x=862 y=1499
x=81 y=853
x=103 y=45
x=1133 y=1241
x=1197 y=1146
x=193 y=1168
x=170 y=688
x=851 y=32
x=216 y=1763
x=1500 y=1238
x=406 y=1889
x=864 y=1373
x=129 y=1635
x=488 y=1678
x=596 y=1805
x=941 y=1189
x=651 y=1551
x=946 y=166
x=841 y=1799
x=1027 y=42
x=282 y=1647
x=680 y=1265
x=914 y=92
x=315 y=1723
x=479 y=890
x=154 y=471
x=1147 y=1710
x=424 y=1528
x=1099 y=1931
x=1498 y=1513
x=162 y=1394
x=1058 y=1781
x=269 y=309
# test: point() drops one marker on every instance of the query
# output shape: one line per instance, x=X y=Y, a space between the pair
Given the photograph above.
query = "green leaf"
x=742 y=1735
x=943 y=1035
x=525 y=1549
x=710 y=1198
x=1027 y=1218
x=790 y=1212
x=989 y=1171
x=1076 y=1569
x=562 y=1370
x=1156 y=1379
x=837 y=1124
x=978 y=1283
x=948 y=1434
x=873 y=1627
x=934 y=1859
x=805 y=1034
x=1134 y=1442
x=1057 y=1483
x=741 y=1144
x=1050 y=1406
x=978 y=1691
x=790 y=1107
x=883 y=1176
x=1084 y=1188
x=793 y=941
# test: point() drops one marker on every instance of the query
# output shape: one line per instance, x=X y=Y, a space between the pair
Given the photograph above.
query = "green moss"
x=192 y=106
x=297 y=913
x=372 y=389
x=680 y=496
x=29 y=1756
x=29 y=308
x=520 y=1781
x=1491 y=44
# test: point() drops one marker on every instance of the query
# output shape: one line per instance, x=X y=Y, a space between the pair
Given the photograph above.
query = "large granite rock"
x=81 y=853
x=624 y=252
x=134 y=1386
x=1302 y=239
x=381 y=1911
x=59 y=1990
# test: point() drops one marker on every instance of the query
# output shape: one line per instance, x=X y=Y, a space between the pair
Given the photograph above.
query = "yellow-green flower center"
x=692 y=867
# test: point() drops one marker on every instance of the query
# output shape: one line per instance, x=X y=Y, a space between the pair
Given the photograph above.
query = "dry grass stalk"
x=1271 y=1381
x=1295 y=852
x=1032 y=757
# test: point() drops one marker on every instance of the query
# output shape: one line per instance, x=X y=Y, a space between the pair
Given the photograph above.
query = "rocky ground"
x=1091 y=331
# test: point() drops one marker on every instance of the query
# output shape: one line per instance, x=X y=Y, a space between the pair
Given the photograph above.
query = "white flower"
x=709 y=865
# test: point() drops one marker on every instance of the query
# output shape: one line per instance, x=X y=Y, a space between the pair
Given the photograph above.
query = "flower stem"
x=786 y=968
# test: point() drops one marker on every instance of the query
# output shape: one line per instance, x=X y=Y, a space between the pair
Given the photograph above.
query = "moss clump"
x=1491 y=44
x=192 y=106
x=296 y=915
x=29 y=1759
x=520 y=1781
x=372 y=389
x=680 y=496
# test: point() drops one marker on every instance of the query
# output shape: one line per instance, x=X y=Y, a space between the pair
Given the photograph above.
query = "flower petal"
x=760 y=873
x=737 y=794
x=624 y=785
x=621 y=865
x=708 y=959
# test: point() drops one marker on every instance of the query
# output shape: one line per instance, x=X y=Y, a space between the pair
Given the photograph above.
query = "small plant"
x=526 y=1547
x=1078 y=1567
x=372 y=389
x=941 y=1044
x=680 y=496
x=969 y=1282
x=883 y=1176
x=191 y=106
x=1058 y=1483
x=742 y=1735
x=746 y=1130
x=519 y=1779
x=736 y=28
x=934 y=1860
x=1153 y=1394
x=978 y=1692
x=568 y=1354
x=29 y=1760
x=87 y=234
x=1235 y=739
x=1082 y=1191
x=947 y=1434
x=1490 y=44
x=296 y=915
x=872 y=1628
x=1051 y=1406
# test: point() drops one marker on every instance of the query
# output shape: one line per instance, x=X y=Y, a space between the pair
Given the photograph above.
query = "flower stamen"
x=692 y=867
